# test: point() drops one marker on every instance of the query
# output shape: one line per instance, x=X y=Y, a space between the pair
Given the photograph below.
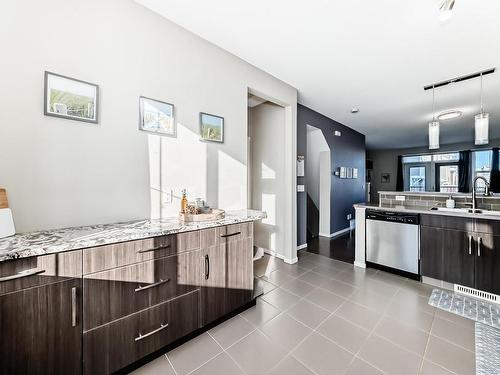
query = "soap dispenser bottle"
x=184 y=202
x=450 y=203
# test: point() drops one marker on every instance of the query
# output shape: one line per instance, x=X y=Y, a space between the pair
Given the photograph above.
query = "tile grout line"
x=171 y=364
x=228 y=354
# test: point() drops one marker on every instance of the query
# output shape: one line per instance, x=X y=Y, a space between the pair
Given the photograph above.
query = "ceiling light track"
x=459 y=79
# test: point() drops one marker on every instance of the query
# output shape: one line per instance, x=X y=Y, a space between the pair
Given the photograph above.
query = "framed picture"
x=349 y=172
x=157 y=117
x=70 y=98
x=342 y=173
x=355 y=173
x=211 y=127
x=385 y=178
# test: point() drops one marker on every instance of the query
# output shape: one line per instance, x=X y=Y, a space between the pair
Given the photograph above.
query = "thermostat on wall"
x=337 y=133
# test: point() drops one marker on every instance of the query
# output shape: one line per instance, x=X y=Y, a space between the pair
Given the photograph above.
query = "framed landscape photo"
x=385 y=178
x=211 y=127
x=70 y=98
x=157 y=117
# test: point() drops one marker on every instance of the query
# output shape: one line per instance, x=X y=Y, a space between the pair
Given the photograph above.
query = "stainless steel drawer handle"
x=140 y=337
x=470 y=245
x=230 y=235
x=22 y=274
x=152 y=285
x=153 y=249
x=479 y=241
x=73 y=307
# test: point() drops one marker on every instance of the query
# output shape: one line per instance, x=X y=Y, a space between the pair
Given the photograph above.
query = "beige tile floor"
x=322 y=316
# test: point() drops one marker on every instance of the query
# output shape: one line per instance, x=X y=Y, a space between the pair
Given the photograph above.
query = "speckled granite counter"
x=53 y=241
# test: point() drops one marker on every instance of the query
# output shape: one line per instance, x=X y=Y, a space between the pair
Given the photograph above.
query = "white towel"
x=6 y=223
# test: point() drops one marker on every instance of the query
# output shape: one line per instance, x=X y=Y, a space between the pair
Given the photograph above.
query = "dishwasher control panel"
x=395 y=217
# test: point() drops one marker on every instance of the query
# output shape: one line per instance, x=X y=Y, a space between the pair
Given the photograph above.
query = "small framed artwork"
x=70 y=98
x=342 y=173
x=385 y=178
x=300 y=165
x=349 y=172
x=355 y=173
x=157 y=117
x=211 y=127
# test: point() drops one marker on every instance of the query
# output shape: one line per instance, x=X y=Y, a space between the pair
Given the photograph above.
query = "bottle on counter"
x=184 y=202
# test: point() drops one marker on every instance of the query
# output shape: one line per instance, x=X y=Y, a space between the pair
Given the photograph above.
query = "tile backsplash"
x=428 y=200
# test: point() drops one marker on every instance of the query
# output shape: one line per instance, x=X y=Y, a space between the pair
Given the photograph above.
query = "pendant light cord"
x=433 y=112
x=481 y=95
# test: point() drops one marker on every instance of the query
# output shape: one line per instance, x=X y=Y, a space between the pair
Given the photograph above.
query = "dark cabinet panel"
x=458 y=257
x=18 y=274
x=487 y=226
x=121 y=254
x=239 y=287
x=113 y=346
x=213 y=283
x=115 y=293
x=41 y=331
x=488 y=263
x=447 y=222
x=431 y=252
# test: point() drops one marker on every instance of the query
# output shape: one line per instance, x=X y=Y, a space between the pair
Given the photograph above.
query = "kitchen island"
x=456 y=246
x=105 y=298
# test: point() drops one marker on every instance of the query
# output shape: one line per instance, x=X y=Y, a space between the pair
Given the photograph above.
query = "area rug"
x=487 y=350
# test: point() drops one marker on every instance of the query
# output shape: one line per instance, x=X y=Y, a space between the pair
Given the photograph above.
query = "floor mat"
x=487 y=350
x=467 y=307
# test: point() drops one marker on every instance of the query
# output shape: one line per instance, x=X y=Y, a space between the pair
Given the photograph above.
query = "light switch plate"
x=167 y=197
x=301 y=188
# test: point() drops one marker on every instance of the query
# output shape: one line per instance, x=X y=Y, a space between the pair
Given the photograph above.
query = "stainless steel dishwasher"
x=393 y=240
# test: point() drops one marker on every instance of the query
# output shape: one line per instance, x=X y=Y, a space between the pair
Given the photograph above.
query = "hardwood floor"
x=339 y=248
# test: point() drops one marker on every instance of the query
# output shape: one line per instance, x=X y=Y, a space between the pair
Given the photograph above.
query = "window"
x=417 y=178
x=482 y=167
x=447 y=178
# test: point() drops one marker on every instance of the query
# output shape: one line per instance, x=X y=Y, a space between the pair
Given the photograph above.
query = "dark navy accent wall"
x=348 y=150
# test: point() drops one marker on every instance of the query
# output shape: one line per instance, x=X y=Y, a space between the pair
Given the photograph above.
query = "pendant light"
x=482 y=123
x=446 y=10
x=433 y=128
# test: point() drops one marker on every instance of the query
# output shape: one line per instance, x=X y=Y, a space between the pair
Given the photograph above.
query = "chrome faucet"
x=486 y=191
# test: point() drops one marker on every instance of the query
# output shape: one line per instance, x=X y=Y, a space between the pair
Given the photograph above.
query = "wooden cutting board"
x=4 y=203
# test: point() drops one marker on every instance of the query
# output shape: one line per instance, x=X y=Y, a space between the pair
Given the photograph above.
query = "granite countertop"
x=424 y=210
x=24 y=245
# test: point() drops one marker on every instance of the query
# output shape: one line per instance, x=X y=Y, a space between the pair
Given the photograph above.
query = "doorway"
x=266 y=173
x=318 y=181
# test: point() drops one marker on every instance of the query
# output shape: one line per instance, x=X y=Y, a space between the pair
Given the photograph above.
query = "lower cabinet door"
x=41 y=331
x=458 y=257
x=118 y=344
x=487 y=263
x=431 y=252
x=239 y=286
x=213 y=283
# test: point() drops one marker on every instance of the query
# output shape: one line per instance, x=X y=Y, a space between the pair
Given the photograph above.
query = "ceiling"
x=373 y=55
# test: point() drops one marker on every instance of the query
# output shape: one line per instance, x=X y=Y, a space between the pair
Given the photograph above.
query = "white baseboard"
x=342 y=231
x=303 y=246
x=282 y=257
x=360 y=264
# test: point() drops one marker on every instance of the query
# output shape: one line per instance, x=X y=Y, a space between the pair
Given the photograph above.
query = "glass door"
x=447 y=178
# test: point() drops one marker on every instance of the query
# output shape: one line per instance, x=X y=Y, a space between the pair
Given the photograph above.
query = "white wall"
x=316 y=143
x=325 y=178
x=63 y=173
x=266 y=126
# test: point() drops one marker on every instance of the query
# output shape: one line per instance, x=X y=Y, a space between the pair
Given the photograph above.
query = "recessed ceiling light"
x=448 y=115
x=355 y=110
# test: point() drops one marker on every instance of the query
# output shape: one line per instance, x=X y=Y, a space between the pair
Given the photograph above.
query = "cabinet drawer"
x=447 y=222
x=118 y=344
x=121 y=254
x=235 y=232
x=24 y=273
x=115 y=293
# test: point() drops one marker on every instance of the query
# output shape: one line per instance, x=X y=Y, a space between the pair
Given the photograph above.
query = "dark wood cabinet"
x=113 y=346
x=41 y=330
x=431 y=252
x=469 y=258
x=458 y=257
x=487 y=276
